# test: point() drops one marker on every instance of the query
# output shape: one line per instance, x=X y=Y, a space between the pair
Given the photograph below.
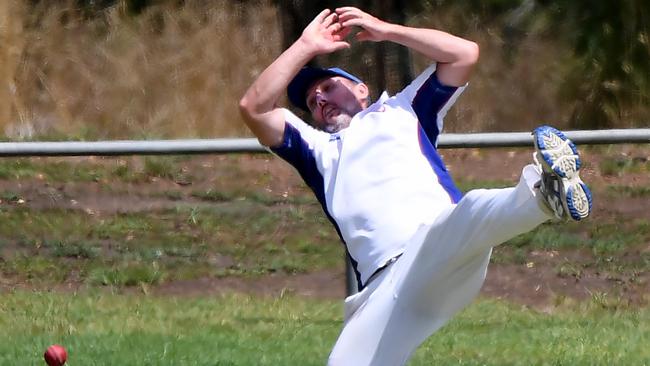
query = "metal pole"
x=146 y=147
x=515 y=139
x=250 y=145
x=350 y=278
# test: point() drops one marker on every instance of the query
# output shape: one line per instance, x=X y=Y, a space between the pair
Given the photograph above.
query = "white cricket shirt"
x=380 y=178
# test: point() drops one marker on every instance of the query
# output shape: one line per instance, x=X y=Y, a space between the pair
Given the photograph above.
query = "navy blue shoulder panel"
x=429 y=100
x=297 y=153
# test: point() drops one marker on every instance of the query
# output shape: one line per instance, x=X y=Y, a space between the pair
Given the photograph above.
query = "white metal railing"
x=250 y=145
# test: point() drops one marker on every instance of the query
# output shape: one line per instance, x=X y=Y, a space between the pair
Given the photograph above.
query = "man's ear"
x=362 y=92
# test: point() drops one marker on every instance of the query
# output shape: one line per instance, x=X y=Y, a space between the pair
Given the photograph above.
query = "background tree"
x=581 y=61
x=611 y=42
x=608 y=80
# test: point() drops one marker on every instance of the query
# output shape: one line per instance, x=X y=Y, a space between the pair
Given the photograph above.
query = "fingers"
x=346 y=23
x=330 y=20
x=322 y=15
x=349 y=13
x=341 y=45
x=335 y=27
x=349 y=9
x=349 y=17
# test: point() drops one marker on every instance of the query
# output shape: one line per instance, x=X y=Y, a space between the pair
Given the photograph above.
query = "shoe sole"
x=560 y=155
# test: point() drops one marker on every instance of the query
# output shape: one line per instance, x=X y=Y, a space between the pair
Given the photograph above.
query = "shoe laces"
x=560 y=157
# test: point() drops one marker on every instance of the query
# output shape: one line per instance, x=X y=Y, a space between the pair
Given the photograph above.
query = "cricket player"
x=420 y=249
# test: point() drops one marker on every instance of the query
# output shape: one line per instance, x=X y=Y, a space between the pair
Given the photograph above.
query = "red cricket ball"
x=55 y=355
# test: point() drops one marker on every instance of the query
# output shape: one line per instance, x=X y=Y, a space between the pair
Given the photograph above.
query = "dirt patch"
x=541 y=286
x=538 y=283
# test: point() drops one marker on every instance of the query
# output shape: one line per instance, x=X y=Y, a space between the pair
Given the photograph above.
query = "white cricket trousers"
x=441 y=270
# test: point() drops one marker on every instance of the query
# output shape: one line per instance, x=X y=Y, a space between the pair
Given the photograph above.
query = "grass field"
x=100 y=328
x=121 y=232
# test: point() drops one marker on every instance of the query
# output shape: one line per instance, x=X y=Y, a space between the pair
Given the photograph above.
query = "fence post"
x=350 y=278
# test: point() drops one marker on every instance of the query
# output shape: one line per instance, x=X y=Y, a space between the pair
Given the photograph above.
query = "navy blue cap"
x=298 y=87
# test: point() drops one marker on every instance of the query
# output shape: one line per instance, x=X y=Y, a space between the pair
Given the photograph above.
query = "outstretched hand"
x=372 y=28
x=325 y=34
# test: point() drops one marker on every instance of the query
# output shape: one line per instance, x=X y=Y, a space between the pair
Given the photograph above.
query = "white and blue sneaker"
x=558 y=162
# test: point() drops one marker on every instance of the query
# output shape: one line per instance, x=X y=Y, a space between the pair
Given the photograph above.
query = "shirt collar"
x=382 y=99
x=376 y=105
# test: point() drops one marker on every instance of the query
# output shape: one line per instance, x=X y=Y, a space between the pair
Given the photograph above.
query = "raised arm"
x=259 y=105
x=455 y=56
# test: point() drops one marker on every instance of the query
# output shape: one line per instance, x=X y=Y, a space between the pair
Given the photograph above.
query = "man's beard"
x=337 y=123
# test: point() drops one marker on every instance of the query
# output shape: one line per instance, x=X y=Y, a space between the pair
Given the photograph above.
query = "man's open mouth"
x=329 y=111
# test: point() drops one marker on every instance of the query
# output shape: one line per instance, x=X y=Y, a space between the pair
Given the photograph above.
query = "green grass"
x=616 y=166
x=468 y=185
x=112 y=329
x=493 y=333
x=49 y=170
x=184 y=243
x=246 y=194
x=213 y=195
x=53 y=170
x=600 y=237
x=603 y=245
x=129 y=274
x=255 y=238
x=144 y=170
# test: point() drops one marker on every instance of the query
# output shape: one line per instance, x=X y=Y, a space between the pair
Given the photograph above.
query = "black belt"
x=381 y=268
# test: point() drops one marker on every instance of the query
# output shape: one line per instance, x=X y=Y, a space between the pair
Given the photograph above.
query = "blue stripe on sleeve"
x=297 y=153
x=431 y=153
x=429 y=100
